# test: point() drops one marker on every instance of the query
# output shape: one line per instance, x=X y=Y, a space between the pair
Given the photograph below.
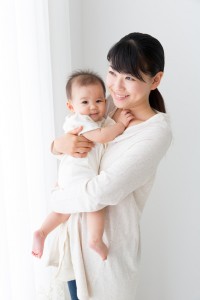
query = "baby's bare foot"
x=100 y=248
x=38 y=243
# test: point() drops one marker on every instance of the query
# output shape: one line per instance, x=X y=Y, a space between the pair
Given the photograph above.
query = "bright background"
x=170 y=268
x=41 y=42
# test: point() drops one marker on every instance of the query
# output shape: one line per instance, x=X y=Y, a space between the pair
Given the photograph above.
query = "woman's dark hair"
x=138 y=53
x=83 y=78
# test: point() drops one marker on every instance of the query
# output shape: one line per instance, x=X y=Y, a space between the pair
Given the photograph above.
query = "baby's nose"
x=93 y=106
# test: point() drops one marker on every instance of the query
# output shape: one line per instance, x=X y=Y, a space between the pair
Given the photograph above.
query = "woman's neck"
x=140 y=114
x=143 y=114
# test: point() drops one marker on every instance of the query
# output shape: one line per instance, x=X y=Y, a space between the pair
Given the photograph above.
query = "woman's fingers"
x=72 y=144
x=82 y=148
x=79 y=155
x=77 y=130
x=84 y=144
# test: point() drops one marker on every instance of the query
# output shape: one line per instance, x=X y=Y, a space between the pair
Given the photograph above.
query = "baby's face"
x=88 y=100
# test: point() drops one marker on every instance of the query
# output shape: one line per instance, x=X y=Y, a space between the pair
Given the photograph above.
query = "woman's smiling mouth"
x=120 y=97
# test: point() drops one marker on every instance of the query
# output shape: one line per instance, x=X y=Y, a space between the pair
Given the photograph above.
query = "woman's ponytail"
x=156 y=101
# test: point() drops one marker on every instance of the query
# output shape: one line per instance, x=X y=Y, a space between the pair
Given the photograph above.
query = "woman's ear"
x=156 y=80
x=70 y=106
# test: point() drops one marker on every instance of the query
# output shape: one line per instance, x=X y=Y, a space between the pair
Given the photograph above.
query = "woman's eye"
x=111 y=72
x=130 y=78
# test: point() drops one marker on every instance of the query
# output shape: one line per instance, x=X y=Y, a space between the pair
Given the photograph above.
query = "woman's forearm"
x=54 y=148
x=134 y=168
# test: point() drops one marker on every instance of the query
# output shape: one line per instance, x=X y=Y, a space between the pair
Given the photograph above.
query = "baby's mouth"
x=94 y=114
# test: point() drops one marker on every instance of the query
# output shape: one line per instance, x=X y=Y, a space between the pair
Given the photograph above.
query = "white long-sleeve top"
x=127 y=172
x=71 y=169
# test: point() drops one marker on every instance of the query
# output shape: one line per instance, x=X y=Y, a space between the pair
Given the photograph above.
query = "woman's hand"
x=72 y=144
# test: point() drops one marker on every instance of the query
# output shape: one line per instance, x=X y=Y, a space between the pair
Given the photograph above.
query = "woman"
x=127 y=172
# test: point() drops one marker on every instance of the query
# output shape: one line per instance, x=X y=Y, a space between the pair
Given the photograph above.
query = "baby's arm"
x=107 y=134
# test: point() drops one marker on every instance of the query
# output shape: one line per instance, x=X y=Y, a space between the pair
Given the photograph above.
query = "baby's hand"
x=125 y=117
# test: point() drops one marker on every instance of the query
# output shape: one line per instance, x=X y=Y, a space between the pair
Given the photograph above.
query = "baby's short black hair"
x=83 y=78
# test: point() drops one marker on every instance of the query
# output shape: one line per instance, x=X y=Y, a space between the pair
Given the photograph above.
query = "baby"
x=86 y=100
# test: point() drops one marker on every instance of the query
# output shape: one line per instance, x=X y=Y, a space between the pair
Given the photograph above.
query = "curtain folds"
x=27 y=169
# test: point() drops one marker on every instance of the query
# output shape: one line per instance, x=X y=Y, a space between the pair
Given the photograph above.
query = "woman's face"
x=127 y=91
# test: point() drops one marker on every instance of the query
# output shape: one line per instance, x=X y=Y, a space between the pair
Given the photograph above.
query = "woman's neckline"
x=140 y=122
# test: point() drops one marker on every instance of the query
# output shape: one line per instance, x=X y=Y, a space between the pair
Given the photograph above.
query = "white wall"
x=59 y=23
x=76 y=33
x=170 y=267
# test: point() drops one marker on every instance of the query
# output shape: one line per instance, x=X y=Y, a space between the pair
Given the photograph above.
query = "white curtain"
x=27 y=169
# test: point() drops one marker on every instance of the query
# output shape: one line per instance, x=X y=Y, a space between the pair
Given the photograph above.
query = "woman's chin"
x=119 y=104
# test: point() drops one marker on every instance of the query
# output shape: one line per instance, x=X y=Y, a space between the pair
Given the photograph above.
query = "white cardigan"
x=126 y=176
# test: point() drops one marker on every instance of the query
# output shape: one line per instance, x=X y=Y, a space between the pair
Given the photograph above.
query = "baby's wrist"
x=121 y=126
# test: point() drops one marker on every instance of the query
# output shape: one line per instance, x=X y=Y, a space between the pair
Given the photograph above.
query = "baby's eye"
x=99 y=101
x=84 y=102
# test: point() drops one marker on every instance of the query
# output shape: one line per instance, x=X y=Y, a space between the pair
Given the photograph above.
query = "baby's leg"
x=95 y=224
x=51 y=222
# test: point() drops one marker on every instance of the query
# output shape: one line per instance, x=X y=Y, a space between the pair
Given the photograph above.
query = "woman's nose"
x=118 y=84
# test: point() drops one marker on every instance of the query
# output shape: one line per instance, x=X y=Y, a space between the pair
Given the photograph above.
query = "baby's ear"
x=69 y=105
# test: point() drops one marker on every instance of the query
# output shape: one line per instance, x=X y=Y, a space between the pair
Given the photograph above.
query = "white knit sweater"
x=126 y=176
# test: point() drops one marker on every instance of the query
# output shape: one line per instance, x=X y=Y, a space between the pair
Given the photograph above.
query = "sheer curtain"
x=27 y=169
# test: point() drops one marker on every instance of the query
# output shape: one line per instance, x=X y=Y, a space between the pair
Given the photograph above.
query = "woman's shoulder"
x=159 y=120
x=156 y=129
x=162 y=122
x=159 y=125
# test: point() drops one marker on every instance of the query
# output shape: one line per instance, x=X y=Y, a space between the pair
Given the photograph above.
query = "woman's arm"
x=134 y=168
x=72 y=144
